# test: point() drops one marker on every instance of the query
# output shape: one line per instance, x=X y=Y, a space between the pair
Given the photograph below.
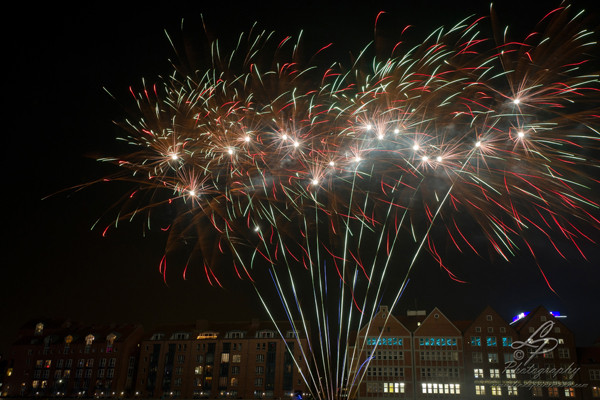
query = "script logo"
x=538 y=343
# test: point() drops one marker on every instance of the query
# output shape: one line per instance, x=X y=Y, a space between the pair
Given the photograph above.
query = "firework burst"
x=318 y=174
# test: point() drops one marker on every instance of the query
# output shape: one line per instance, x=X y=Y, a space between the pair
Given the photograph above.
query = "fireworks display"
x=318 y=173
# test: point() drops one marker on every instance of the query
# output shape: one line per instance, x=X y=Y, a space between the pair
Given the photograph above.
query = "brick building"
x=488 y=341
x=224 y=360
x=59 y=358
x=589 y=361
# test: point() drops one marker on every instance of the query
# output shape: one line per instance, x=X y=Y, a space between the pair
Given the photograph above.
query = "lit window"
x=496 y=390
x=552 y=392
x=475 y=341
x=569 y=392
x=39 y=328
x=236 y=358
x=89 y=339
x=198 y=370
x=225 y=357
x=494 y=373
x=512 y=390
x=491 y=340
x=510 y=374
x=536 y=391
x=478 y=373
x=493 y=358
x=480 y=390
x=595 y=391
x=506 y=341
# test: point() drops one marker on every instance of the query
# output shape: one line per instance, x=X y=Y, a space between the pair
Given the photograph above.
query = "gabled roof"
x=435 y=314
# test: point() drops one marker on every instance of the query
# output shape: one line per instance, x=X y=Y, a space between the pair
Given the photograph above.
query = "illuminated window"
x=552 y=392
x=224 y=357
x=89 y=339
x=494 y=373
x=496 y=390
x=491 y=340
x=506 y=341
x=39 y=328
x=110 y=340
x=198 y=370
x=480 y=390
x=35 y=384
x=569 y=392
x=393 y=387
x=510 y=374
x=475 y=341
x=537 y=391
x=234 y=382
x=493 y=358
x=512 y=390
x=595 y=391
x=478 y=373
x=47 y=363
x=9 y=371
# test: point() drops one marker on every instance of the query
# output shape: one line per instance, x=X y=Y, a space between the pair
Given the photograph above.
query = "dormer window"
x=39 y=328
x=110 y=340
x=89 y=339
x=266 y=334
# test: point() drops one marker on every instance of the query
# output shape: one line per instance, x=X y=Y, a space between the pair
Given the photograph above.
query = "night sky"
x=59 y=119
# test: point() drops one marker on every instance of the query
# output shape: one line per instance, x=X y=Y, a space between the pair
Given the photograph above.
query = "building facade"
x=221 y=360
x=59 y=358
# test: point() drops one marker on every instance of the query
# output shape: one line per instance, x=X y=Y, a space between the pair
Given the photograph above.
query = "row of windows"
x=536 y=391
x=439 y=373
x=384 y=341
x=494 y=373
x=443 y=355
x=79 y=373
x=437 y=341
x=387 y=355
x=440 y=388
x=385 y=387
x=491 y=341
x=81 y=363
x=385 y=371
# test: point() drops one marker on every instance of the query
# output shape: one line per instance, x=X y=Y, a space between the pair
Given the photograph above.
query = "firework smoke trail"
x=322 y=175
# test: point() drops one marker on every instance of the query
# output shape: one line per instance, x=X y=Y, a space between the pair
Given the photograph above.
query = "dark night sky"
x=58 y=115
